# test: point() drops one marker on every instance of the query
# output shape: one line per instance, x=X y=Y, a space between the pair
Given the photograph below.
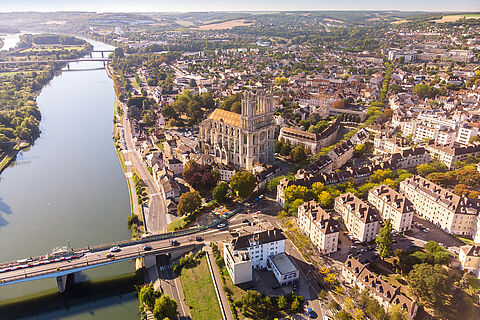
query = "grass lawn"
x=467 y=241
x=199 y=292
x=177 y=224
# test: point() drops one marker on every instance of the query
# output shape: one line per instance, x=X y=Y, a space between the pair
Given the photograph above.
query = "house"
x=319 y=226
x=359 y=219
x=392 y=205
x=357 y=274
x=341 y=154
x=175 y=165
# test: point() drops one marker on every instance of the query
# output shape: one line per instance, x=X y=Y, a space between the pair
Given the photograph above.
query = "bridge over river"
x=61 y=265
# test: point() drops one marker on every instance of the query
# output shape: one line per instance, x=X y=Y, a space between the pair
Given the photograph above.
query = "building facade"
x=453 y=213
x=319 y=226
x=241 y=139
x=392 y=205
x=359 y=219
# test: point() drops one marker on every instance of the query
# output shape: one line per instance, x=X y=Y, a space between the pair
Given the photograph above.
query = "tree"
x=282 y=302
x=280 y=81
x=200 y=177
x=343 y=315
x=243 y=183
x=299 y=155
x=468 y=176
x=147 y=295
x=325 y=199
x=384 y=239
x=236 y=107
x=169 y=112
x=442 y=179
x=427 y=168
x=338 y=104
x=429 y=283
x=294 y=192
x=165 y=308
x=189 y=202
x=220 y=191
x=256 y=306
x=317 y=188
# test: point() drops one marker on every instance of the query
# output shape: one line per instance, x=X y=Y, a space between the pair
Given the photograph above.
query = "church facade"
x=241 y=139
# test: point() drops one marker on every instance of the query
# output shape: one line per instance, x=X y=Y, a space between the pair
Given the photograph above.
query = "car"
x=221 y=226
x=245 y=221
x=310 y=312
x=147 y=248
x=115 y=249
x=295 y=287
x=174 y=243
x=109 y=255
x=199 y=238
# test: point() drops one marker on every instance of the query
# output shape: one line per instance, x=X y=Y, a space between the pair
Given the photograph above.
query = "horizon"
x=191 y=6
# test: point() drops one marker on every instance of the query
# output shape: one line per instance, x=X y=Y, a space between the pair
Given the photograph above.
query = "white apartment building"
x=453 y=213
x=341 y=154
x=449 y=155
x=469 y=257
x=360 y=220
x=392 y=205
x=252 y=251
x=319 y=226
x=465 y=133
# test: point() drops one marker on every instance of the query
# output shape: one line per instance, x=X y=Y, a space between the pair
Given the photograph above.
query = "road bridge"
x=61 y=265
x=50 y=61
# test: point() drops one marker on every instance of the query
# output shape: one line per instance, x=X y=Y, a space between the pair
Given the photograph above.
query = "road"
x=156 y=219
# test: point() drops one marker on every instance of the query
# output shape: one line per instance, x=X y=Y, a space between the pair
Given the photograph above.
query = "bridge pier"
x=62 y=283
x=102 y=53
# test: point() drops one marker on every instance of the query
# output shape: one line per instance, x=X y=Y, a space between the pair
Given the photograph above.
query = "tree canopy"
x=243 y=183
x=189 y=202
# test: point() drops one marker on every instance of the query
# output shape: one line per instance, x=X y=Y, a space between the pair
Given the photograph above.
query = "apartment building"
x=319 y=226
x=449 y=155
x=252 y=251
x=453 y=213
x=469 y=257
x=341 y=154
x=465 y=133
x=392 y=205
x=359 y=218
x=357 y=274
x=410 y=158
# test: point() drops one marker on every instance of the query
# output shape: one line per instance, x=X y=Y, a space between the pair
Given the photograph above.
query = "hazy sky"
x=237 y=5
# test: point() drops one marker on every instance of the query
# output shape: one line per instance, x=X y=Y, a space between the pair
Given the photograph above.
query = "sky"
x=235 y=5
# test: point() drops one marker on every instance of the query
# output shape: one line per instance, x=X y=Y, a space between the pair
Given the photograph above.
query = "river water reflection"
x=69 y=187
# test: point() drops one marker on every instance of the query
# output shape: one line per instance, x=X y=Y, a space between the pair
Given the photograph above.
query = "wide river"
x=68 y=188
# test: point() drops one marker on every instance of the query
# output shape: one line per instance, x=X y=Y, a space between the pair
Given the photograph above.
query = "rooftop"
x=283 y=263
x=228 y=117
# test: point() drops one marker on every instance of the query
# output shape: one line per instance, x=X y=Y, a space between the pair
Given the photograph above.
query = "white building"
x=469 y=257
x=360 y=220
x=392 y=205
x=252 y=251
x=319 y=226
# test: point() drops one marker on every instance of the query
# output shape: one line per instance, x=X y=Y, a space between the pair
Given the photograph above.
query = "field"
x=225 y=25
x=456 y=17
x=333 y=20
x=199 y=292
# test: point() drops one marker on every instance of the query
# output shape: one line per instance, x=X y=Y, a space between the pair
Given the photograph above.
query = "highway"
x=50 y=61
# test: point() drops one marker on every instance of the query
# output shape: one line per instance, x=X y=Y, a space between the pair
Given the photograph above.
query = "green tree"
x=299 y=155
x=326 y=199
x=294 y=192
x=279 y=81
x=165 y=308
x=384 y=239
x=429 y=283
x=256 y=306
x=236 y=107
x=147 y=295
x=220 y=191
x=427 y=168
x=243 y=183
x=282 y=302
x=189 y=202
x=343 y=315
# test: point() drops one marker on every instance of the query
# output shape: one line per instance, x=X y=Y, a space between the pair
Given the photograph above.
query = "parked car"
x=310 y=312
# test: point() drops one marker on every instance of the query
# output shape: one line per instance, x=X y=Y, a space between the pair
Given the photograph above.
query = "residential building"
x=453 y=213
x=319 y=226
x=341 y=154
x=359 y=219
x=392 y=205
x=466 y=133
x=241 y=139
x=357 y=274
x=175 y=165
x=449 y=155
x=252 y=251
x=469 y=257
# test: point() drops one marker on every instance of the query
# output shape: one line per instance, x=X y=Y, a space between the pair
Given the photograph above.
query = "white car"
x=115 y=249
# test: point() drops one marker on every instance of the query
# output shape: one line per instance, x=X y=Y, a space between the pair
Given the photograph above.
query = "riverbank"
x=7 y=157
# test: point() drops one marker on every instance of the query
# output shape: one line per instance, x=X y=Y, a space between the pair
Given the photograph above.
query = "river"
x=68 y=188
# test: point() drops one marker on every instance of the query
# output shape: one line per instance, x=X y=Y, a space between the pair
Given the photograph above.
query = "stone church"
x=241 y=139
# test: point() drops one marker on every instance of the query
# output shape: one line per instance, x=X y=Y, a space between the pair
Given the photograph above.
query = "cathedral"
x=241 y=139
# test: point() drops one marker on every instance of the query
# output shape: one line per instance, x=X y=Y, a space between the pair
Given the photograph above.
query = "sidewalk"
x=218 y=281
